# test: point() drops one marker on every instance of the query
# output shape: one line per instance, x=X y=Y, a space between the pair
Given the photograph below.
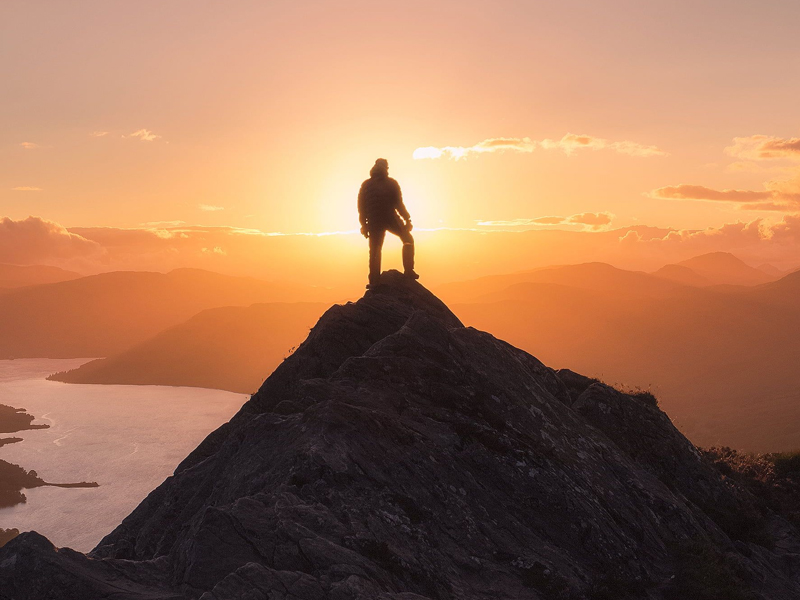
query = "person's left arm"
x=401 y=207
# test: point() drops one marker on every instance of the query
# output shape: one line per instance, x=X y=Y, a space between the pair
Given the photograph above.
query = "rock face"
x=399 y=455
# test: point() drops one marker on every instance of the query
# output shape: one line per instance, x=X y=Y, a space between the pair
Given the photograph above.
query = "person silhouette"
x=381 y=209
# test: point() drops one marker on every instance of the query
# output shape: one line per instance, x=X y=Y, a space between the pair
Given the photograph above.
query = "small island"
x=13 y=420
x=13 y=478
x=16 y=419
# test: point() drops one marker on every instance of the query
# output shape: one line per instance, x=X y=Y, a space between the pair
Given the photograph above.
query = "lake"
x=126 y=438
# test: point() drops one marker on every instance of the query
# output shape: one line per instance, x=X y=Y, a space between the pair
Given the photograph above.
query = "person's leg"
x=408 y=256
x=408 y=250
x=375 y=247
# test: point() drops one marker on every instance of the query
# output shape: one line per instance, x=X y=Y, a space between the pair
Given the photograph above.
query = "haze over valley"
x=711 y=336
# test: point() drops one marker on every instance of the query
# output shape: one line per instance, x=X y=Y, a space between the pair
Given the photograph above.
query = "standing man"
x=381 y=209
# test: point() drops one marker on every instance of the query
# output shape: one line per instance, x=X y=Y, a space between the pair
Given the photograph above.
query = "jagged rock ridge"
x=400 y=455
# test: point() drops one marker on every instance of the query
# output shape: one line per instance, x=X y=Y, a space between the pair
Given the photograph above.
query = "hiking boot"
x=412 y=274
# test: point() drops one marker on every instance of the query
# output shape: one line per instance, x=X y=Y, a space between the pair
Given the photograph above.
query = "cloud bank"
x=592 y=221
x=336 y=260
x=778 y=195
x=699 y=192
x=569 y=144
x=764 y=147
x=33 y=240
x=491 y=145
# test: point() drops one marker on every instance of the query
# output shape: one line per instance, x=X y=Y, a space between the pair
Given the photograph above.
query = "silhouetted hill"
x=398 y=455
x=783 y=292
x=772 y=270
x=723 y=268
x=229 y=348
x=15 y=276
x=597 y=277
x=105 y=314
x=683 y=275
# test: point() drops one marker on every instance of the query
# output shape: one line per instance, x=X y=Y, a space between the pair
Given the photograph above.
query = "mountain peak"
x=394 y=287
x=714 y=258
x=350 y=330
x=725 y=268
x=397 y=454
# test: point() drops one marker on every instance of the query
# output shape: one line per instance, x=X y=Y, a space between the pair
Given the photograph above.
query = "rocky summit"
x=399 y=455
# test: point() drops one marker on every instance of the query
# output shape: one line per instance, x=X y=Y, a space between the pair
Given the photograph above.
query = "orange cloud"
x=763 y=147
x=34 y=239
x=29 y=145
x=594 y=221
x=210 y=208
x=786 y=231
x=490 y=145
x=572 y=142
x=26 y=188
x=779 y=195
x=547 y=220
x=699 y=192
x=568 y=144
x=145 y=135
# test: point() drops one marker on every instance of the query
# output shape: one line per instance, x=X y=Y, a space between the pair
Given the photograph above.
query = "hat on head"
x=381 y=166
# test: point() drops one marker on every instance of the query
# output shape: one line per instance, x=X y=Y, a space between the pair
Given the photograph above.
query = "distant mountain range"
x=719 y=354
x=17 y=276
x=718 y=268
x=105 y=314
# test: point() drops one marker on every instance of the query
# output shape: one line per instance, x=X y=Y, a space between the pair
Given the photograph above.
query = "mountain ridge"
x=726 y=268
x=16 y=276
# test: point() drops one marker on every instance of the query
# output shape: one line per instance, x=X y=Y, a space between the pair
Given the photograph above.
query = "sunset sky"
x=583 y=116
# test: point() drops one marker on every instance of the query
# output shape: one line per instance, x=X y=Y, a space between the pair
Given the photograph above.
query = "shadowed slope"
x=230 y=348
x=399 y=455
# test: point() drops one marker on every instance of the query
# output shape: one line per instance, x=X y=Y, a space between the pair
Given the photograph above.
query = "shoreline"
x=17 y=478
